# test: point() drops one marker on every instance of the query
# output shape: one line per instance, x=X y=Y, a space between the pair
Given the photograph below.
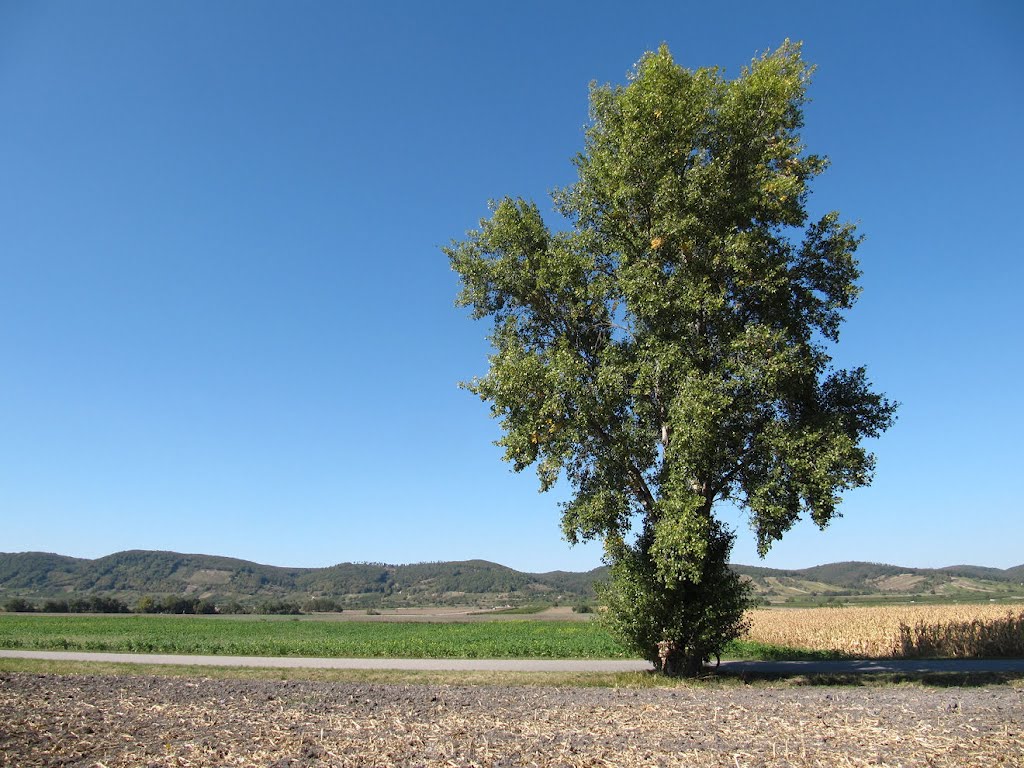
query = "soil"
x=106 y=721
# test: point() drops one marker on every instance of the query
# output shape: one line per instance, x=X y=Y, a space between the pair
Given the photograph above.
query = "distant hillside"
x=128 y=576
x=27 y=570
x=858 y=581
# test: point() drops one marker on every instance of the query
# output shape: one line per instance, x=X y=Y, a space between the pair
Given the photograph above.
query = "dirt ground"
x=107 y=721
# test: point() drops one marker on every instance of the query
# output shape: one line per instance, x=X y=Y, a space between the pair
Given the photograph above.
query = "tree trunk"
x=679 y=662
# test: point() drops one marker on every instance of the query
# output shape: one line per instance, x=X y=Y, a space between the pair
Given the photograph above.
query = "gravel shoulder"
x=120 y=721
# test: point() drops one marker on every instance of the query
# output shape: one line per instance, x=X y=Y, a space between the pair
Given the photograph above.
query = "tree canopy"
x=670 y=350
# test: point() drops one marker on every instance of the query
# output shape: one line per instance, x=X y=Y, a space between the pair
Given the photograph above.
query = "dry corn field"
x=904 y=631
x=100 y=721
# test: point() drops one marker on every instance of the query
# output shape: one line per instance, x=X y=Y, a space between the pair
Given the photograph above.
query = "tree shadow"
x=875 y=679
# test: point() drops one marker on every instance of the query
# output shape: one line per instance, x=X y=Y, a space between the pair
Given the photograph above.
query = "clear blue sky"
x=226 y=325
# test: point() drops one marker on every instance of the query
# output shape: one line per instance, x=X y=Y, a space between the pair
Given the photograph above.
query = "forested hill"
x=131 y=575
x=880 y=581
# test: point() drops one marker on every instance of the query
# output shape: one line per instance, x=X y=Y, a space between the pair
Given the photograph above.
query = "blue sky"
x=226 y=325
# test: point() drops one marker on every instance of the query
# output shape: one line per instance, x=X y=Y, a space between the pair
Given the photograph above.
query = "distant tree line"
x=93 y=604
x=171 y=604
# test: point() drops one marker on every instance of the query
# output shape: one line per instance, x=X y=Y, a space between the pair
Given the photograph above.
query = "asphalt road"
x=476 y=665
x=872 y=666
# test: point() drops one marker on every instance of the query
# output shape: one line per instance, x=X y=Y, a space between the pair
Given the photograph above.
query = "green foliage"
x=278 y=608
x=232 y=607
x=26 y=570
x=321 y=605
x=680 y=625
x=669 y=351
x=271 y=636
x=172 y=604
x=19 y=605
x=91 y=604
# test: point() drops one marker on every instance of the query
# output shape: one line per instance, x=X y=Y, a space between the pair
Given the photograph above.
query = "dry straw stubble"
x=904 y=631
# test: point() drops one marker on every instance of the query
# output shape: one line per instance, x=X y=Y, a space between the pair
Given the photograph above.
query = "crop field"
x=904 y=631
x=262 y=637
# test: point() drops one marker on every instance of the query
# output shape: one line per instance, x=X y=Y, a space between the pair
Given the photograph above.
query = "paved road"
x=535 y=665
x=482 y=665
x=876 y=666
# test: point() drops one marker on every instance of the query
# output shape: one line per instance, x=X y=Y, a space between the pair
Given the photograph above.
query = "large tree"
x=670 y=350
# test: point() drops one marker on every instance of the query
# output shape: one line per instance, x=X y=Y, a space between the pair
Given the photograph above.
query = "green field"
x=263 y=637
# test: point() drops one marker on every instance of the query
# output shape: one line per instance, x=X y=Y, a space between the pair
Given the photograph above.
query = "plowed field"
x=108 y=721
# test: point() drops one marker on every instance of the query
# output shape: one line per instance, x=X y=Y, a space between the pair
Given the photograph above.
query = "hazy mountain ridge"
x=134 y=573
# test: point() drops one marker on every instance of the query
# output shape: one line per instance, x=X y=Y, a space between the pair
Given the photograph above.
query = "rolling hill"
x=128 y=576
x=859 y=582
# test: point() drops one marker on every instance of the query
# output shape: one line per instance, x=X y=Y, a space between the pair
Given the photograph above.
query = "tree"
x=19 y=605
x=670 y=350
